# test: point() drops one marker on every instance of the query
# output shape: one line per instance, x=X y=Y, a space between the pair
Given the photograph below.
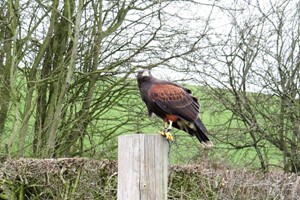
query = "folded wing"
x=175 y=100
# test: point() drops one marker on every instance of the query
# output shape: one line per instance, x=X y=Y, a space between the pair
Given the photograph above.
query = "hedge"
x=81 y=178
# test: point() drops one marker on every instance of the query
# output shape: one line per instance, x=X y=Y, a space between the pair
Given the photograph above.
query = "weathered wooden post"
x=142 y=167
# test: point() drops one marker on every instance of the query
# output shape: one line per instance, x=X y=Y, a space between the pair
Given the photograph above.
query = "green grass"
x=186 y=149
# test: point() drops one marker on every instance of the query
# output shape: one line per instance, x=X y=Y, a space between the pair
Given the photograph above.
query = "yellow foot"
x=162 y=133
x=167 y=134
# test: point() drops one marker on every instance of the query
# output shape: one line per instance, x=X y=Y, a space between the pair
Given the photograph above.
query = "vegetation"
x=69 y=55
x=67 y=83
x=78 y=178
x=67 y=89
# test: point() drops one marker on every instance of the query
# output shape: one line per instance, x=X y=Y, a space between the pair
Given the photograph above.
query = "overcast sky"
x=221 y=19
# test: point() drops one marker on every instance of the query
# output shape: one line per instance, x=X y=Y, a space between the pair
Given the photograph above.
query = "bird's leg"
x=167 y=131
x=163 y=133
x=169 y=136
x=166 y=125
x=170 y=126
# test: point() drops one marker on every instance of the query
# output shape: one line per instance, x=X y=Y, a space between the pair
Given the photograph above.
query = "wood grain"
x=142 y=167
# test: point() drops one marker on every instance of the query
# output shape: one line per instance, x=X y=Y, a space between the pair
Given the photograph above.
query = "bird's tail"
x=197 y=129
x=201 y=134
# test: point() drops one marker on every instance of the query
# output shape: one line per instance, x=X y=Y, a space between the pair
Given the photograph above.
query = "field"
x=186 y=149
x=129 y=116
x=195 y=173
x=68 y=90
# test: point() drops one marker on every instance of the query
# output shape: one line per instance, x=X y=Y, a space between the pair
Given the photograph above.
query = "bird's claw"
x=167 y=134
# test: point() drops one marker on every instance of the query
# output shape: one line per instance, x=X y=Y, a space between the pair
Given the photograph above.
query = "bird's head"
x=144 y=75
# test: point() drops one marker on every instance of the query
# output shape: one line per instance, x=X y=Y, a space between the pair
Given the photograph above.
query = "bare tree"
x=252 y=69
x=66 y=66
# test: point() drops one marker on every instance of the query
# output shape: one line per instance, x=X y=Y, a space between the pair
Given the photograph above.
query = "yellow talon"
x=169 y=136
x=162 y=133
x=167 y=131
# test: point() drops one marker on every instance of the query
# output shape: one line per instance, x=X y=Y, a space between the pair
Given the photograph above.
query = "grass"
x=186 y=149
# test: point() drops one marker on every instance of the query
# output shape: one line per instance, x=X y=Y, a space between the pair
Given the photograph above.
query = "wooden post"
x=142 y=167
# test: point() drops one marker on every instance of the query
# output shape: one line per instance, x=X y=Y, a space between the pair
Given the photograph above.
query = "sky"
x=240 y=13
x=220 y=14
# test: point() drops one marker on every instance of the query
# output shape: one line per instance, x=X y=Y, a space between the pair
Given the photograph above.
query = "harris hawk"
x=174 y=104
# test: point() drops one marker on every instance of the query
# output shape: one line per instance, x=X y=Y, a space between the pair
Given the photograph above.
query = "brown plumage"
x=174 y=104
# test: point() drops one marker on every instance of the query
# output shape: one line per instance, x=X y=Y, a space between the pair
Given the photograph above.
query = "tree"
x=66 y=88
x=253 y=70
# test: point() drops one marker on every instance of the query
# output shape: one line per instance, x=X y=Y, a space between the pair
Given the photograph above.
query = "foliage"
x=252 y=68
x=80 y=178
x=66 y=69
x=74 y=59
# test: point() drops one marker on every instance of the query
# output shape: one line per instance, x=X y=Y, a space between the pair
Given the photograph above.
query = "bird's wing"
x=175 y=100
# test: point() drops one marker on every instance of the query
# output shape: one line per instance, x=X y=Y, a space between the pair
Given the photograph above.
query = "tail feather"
x=201 y=134
x=195 y=129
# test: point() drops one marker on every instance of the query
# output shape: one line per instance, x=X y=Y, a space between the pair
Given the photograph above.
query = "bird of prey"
x=174 y=104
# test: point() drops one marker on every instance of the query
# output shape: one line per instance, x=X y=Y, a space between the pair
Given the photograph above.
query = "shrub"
x=81 y=178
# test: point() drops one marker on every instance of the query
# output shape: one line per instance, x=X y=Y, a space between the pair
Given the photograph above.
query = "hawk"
x=174 y=104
